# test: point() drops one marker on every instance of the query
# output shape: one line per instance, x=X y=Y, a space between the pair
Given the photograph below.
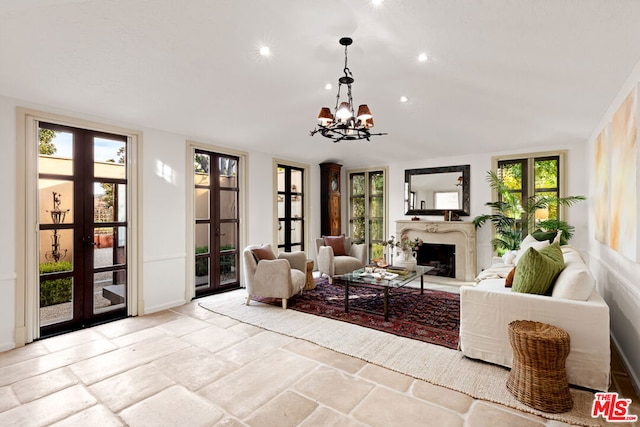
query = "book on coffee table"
x=398 y=270
x=380 y=276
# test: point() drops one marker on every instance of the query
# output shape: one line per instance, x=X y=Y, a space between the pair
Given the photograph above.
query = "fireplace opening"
x=439 y=256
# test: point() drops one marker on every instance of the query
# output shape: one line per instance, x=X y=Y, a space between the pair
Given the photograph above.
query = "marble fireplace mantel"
x=462 y=234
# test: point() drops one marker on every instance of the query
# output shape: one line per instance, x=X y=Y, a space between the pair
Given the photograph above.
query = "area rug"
x=433 y=317
x=432 y=363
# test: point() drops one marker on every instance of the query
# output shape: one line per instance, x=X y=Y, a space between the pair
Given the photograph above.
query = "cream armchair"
x=271 y=277
x=353 y=258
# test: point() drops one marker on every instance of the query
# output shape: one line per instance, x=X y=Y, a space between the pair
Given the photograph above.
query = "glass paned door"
x=290 y=202
x=376 y=214
x=83 y=227
x=367 y=210
x=216 y=227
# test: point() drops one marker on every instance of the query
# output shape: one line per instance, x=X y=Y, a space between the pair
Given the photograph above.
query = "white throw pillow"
x=530 y=242
x=509 y=257
x=558 y=237
x=574 y=282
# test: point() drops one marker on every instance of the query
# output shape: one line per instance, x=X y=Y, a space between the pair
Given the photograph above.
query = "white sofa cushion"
x=529 y=242
x=575 y=282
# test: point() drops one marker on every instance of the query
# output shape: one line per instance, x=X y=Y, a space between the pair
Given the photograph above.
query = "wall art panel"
x=624 y=159
x=602 y=171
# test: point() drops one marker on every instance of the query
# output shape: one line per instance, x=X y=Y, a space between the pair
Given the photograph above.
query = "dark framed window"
x=290 y=202
x=533 y=176
x=367 y=212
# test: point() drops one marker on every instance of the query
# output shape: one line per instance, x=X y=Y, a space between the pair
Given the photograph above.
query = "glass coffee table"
x=359 y=278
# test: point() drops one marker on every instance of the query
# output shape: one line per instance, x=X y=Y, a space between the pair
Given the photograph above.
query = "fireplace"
x=441 y=257
x=459 y=234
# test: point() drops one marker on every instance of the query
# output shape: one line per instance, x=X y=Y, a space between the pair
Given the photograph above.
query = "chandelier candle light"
x=344 y=124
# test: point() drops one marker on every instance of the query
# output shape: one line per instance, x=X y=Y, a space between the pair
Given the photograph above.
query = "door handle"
x=89 y=241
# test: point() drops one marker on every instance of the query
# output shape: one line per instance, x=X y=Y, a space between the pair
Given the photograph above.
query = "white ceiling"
x=501 y=73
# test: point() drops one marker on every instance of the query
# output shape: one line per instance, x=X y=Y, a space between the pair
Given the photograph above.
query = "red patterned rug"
x=433 y=317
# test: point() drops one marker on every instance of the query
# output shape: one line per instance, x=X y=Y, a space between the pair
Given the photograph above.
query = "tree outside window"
x=367 y=210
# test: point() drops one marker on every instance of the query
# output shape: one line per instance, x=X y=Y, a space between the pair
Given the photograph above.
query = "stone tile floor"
x=190 y=367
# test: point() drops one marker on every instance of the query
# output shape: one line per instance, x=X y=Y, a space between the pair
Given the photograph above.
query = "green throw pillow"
x=537 y=270
x=541 y=235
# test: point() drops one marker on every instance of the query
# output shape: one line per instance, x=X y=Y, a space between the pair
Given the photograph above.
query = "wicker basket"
x=538 y=377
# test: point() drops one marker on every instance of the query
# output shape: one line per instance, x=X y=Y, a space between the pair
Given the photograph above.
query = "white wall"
x=260 y=200
x=481 y=192
x=163 y=219
x=164 y=211
x=7 y=225
x=618 y=277
x=163 y=194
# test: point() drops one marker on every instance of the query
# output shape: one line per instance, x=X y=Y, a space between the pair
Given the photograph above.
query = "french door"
x=367 y=210
x=291 y=215
x=82 y=184
x=217 y=222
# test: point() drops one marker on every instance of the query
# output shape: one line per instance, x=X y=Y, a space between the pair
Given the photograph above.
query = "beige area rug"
x=434 y=364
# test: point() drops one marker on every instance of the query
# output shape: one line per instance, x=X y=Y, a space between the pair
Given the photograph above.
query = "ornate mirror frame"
x=464 y=170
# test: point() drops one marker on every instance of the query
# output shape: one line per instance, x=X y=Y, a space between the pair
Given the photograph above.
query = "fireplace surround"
x=462 y=234
x=439 y=256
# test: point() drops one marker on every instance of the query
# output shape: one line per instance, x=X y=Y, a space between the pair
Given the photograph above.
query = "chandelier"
x=343 y=124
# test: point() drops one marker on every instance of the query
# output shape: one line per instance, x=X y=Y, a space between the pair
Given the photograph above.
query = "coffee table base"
x=348 y=284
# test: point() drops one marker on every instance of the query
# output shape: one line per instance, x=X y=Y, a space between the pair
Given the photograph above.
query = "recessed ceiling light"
x=265 y=51
x=404 y=99
x=423 y=57
x=328 y=86
x=376 y=2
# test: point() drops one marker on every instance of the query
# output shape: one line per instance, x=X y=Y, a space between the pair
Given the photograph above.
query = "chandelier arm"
x=353 y=114
x=335 y=110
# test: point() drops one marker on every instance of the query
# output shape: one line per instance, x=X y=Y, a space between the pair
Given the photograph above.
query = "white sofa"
x=574 y=305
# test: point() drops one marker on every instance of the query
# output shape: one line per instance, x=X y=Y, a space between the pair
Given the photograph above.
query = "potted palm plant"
x=513 y=218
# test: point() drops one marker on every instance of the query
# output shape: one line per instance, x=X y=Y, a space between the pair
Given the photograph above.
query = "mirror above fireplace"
x=432 y=191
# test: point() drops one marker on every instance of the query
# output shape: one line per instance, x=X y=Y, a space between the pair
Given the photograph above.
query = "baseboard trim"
x=155 y=309
x=162 y=258
x=635 y=378
x=7 y=346
x=8 y=276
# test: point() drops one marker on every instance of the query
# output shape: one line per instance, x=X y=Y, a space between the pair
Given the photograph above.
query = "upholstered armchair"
x=338 y=255
x=273 y=277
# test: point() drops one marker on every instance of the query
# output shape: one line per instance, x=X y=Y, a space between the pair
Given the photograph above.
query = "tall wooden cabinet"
x=330 y=213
